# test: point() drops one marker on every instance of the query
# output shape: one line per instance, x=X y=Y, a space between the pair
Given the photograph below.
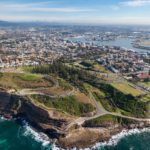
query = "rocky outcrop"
x=52 y=122
x=87 y=137
x=4 y=98
x=49 y=121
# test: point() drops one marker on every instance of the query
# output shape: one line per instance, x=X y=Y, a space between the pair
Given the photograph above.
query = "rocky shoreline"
x=82 y=137
x=51 y=123
x=87 y=137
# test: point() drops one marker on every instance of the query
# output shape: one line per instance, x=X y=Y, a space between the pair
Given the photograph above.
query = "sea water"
x=17 y=135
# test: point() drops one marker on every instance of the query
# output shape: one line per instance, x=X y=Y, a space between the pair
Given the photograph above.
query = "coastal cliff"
x=53 y=123
x=48 y=121
x=86 y=136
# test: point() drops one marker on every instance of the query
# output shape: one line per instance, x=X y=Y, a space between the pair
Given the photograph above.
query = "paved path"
x=100 y=112
x=81 y=120
x=25 y=91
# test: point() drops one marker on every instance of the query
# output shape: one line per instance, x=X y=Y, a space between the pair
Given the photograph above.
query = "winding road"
x=81 y=120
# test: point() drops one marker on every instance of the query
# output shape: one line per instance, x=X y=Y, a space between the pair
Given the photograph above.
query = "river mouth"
x=126 y=43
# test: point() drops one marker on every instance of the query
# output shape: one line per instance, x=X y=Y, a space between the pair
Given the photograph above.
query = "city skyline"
x=91 y=12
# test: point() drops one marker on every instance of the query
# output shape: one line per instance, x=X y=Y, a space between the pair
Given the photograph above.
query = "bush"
x=110 y=118
x=67 y=104
x=65 y=85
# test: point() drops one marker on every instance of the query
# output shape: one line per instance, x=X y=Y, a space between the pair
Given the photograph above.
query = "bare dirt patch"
x=55 y=91
x=81 y=97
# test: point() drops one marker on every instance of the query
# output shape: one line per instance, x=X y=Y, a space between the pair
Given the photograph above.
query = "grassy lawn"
x=79 y=65
x=145 y=98
x=93 y=89
x=114 y=76
x=144 y=83
x=127 y=88
x=27 y=77
x=146 y=43
x=92 y=66
x=23 y=80
x=100 y=68
x=26 y=68
x=105 y=78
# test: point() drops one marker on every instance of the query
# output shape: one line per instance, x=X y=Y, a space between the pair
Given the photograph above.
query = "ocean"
x=17 y=135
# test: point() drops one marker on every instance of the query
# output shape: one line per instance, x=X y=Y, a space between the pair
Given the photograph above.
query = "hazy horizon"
x=121 y=12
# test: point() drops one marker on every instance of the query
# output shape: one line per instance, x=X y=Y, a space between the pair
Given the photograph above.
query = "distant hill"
x=29 y=23
x=3 y=22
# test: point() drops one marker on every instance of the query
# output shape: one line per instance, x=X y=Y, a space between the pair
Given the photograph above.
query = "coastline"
x=40 y=136
x=111 y=140
x=50 y=124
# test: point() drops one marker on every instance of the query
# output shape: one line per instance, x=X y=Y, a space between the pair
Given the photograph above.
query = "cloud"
x=114 y=7
x=135 y=3
x=129 y=20
x=43 y=7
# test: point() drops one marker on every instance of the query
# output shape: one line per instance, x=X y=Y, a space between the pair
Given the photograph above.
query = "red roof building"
x=144 y=76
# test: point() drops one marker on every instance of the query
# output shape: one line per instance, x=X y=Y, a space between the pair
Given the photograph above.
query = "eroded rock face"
x=51 y=122
x=4 y=98
x=48 y=121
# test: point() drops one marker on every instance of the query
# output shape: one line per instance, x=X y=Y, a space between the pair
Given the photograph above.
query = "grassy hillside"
x=127 y=88
x=91 y=65
x=23 y=80
x=109 y=118
x=67 y=104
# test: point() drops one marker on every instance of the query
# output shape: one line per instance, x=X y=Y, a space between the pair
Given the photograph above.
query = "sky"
x=126 y=12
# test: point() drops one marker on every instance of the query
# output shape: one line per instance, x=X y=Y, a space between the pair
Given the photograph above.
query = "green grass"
x=67 y=104
x=23 y=80
x=114 y=76
x=27 y=77
x=99 y=68
x=109 y=118
x=92 y=66
x=79 y=65
x=144 y=83
x=127 y=88
x=65 y=85
x=145 y=98
x=27 y=68
x=107 y=103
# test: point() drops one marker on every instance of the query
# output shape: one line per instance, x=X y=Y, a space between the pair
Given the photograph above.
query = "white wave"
x=29 y=131
x=2 y=118
x=116 y=138
x=112 y=142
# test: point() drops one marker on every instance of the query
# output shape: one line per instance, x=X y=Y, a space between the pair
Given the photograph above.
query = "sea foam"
x=116 y=138
x=29 y=131
x=2 y=118
x=112 y=142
